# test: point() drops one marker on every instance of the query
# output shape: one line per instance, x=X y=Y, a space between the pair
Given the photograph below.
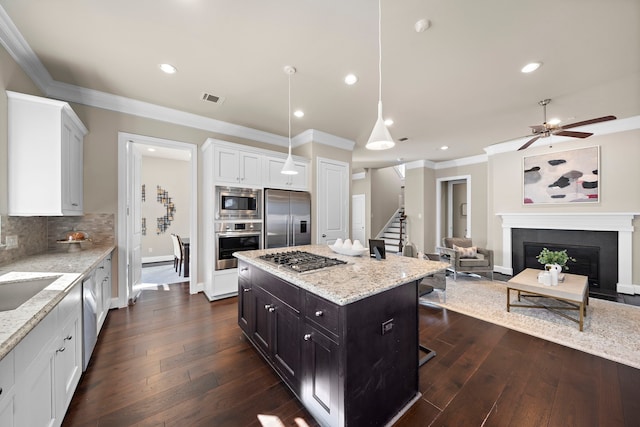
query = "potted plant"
x=550 y=258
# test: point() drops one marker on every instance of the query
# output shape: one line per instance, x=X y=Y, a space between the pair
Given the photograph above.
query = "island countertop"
x=344 y=284
x=67 y=267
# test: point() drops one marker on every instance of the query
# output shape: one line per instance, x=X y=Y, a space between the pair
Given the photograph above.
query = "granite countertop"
x=68 y=267
x=343 y=284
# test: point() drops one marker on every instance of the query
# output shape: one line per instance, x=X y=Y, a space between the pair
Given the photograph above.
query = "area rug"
x=611 y=330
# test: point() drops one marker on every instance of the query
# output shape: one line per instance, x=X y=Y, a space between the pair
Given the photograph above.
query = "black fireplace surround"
x=596 y=254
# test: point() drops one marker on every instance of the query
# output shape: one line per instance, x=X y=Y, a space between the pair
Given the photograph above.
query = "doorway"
x=332 y=201
x=358 y=218
x=130 y=195
x=453 y=207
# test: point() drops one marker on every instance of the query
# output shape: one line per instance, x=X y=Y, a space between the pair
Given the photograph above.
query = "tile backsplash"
x=39 y=234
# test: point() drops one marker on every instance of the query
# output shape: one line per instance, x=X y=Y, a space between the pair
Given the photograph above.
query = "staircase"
x=391 y=233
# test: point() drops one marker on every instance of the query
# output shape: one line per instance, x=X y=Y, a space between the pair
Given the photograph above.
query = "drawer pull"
x=60 y=350
x=0 y=391
x=244 y=269
x=246 y=290
x=319 y=313
x=68 y=338
x=307 y=337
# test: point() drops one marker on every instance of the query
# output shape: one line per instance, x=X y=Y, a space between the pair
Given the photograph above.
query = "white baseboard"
x=161 y=258
x=504 y=270
x=628 y=289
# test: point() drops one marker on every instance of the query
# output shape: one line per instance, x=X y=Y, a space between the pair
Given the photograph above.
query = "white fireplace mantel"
x=621 y=222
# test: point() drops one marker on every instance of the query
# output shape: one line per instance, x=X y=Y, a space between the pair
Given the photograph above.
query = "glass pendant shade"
x=380 y=138
x=289 y=168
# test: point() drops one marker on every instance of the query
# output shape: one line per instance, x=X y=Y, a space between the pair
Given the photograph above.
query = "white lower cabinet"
x=7 y=380
x=48 y=365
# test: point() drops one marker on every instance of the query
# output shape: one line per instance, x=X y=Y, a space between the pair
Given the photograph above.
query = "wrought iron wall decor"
x=144 y=192
x=144 y=226
x=162 y=196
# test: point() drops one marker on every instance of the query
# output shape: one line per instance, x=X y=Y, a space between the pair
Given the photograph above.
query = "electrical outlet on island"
x=11 y=242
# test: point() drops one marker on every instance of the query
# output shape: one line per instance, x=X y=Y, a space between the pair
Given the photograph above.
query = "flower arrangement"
x=554 y=257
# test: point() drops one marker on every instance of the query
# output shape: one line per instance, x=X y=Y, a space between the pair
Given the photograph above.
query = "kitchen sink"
x=14 y=294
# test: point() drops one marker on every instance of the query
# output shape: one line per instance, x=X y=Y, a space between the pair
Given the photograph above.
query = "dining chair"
x=178 y=253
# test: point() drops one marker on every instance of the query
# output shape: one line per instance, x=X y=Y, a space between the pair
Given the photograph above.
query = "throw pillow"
x=469 y=252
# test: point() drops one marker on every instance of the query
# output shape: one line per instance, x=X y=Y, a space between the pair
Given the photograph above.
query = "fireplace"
x=595 y=252
x=620 y=224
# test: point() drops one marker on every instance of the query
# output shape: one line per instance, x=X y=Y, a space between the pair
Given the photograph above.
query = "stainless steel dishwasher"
x=89 y=317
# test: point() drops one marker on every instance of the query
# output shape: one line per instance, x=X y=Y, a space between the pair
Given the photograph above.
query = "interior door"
x=358 y=222
x=333 y=201
x=135 y=204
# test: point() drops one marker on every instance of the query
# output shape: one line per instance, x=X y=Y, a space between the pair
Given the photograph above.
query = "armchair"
x=463 y=257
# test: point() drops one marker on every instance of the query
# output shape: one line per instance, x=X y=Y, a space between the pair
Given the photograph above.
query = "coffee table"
x=574 y=291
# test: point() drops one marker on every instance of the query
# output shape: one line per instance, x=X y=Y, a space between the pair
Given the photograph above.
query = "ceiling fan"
x=547 y=129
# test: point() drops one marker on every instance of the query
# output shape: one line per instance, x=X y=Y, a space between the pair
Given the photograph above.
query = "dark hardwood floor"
x=175 y=359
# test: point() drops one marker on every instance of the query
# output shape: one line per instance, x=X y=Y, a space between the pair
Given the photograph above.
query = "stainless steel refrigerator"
x=287 y=220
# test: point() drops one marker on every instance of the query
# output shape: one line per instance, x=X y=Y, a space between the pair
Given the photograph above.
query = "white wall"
x=173 y=176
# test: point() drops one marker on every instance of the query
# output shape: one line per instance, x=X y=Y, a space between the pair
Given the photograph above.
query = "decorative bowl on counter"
x=348 y=248
x=74 y=238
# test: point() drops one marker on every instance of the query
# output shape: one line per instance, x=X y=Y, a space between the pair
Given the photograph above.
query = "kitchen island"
x=343 y=338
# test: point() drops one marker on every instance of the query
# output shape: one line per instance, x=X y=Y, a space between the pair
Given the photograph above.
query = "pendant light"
x=289 y=168
x=380 y=138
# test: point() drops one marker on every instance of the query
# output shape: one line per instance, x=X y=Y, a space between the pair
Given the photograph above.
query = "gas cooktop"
x=301 y=261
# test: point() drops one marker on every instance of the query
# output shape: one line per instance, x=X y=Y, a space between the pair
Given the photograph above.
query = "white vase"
x=554 y=270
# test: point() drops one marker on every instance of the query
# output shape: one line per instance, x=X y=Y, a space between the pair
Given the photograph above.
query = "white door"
x=358 y=221
x=333 y=201
x=135 y=220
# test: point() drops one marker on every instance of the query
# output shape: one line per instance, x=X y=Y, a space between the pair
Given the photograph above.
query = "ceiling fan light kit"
x=380 y=138
x=289 y=167
x=547 y=128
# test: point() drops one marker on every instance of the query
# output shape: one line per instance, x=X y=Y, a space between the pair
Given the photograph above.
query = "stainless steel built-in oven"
x=235 y=237
x=238 y=203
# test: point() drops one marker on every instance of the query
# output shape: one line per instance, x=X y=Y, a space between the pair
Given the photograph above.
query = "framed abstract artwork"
x=571 y=176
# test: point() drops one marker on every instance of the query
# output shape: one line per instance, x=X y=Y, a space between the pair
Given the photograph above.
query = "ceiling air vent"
x=212 y=98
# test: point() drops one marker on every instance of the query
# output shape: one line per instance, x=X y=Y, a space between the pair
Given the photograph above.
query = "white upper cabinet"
x=237 y=166
x=45 y=157
x=274 y=179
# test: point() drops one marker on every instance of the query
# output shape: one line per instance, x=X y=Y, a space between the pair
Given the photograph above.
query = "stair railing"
x=395 y=215
x=402 y=218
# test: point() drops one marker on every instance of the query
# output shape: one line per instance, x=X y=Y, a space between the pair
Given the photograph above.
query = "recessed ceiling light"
x=531 y=67
x=168 y=68
x=554 y=121
x=351 y=79
x=444 y=147
x=388 y=122
x=298 y=113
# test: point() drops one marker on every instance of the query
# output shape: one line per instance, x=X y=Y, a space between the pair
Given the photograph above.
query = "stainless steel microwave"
x=238 y=203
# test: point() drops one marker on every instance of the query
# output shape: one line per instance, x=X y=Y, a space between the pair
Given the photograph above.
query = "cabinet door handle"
x=268 y=307
x=319 y=313
x=60 y=350
x=307 y=337
x=246 y=290
x=272 y=309
x=244 y=269
x=74 y=204
x=0 y=391
x=68 y=338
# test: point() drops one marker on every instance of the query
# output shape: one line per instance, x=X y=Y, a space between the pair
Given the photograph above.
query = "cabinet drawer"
x=244 y=271
x=322 y=312
x=7 y=377
x=286 y=292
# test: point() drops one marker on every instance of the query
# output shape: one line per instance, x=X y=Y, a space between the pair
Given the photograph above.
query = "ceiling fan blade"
x=589 y=122
x=573 y=133
x=528 y=143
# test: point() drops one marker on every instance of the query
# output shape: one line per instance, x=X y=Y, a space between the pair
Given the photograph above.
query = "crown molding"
x=420 y=164
x=22 y=53
x=465 y=161
x=314 y=135
x=358 y=175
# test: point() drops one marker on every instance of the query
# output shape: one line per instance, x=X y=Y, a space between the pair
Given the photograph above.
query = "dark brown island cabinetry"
x=350 y=365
